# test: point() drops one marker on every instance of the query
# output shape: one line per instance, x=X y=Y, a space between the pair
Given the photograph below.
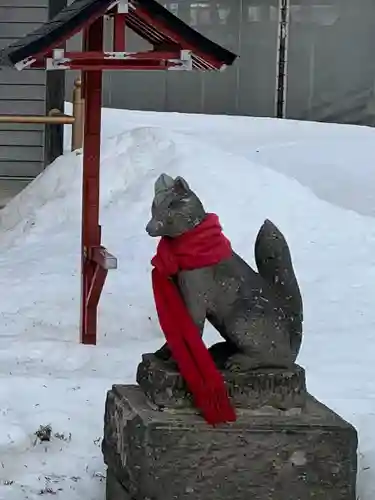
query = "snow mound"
x=334 y=258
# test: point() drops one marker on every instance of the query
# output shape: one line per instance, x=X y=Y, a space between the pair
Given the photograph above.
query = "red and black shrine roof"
x=147 y=18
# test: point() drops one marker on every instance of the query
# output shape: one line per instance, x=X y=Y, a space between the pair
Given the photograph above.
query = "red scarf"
x=203 y=246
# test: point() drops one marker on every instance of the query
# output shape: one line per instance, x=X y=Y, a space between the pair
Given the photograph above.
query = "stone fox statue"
x=258 y=314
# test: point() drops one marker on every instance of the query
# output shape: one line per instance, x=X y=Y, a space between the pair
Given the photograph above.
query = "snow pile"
x=55 y=381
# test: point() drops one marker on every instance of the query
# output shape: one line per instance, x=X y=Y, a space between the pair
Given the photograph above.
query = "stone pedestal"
x=281 y=389
x=160 y=448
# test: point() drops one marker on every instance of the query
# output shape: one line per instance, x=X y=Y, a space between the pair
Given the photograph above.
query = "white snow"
x=314 y=181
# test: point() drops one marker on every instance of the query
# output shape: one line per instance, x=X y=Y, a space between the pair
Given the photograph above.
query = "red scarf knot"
x=203 y=246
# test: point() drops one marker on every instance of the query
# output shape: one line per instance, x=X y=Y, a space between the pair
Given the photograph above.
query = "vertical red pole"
x=92 y=81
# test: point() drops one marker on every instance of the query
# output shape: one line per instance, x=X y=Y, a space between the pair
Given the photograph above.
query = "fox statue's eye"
x=174 y=204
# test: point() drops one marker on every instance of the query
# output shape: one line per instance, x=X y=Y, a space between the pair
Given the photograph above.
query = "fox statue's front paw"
x=240 y=362
x=220 y=352
x=165 y=355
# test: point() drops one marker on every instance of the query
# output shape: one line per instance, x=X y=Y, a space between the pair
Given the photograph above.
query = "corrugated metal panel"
x=17 y=153
x=21 y=93
x=21 y=127
x=4 y=42
x=15 y=31
x=22 y=14
x=27 y=76
x=22 y=107
x=24 y=3
x=10 y=188
x=11 y=168
x=19 y=138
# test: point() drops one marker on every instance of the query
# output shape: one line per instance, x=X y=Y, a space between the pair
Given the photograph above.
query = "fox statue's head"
x=175 y=209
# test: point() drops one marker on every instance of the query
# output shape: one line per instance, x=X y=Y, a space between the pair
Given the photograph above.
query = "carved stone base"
x=266 y=455
x=114 y=489
x=283 y=389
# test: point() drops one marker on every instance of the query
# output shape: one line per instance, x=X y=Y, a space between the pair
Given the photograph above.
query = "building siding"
x=25 y=149
x=14 y=30
x=21 y=146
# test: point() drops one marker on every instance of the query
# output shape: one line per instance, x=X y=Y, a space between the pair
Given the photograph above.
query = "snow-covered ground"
x=316 y=182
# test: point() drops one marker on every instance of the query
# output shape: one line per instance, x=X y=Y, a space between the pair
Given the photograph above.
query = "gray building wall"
x=330 y=71
x=331 y=67
x=246 y=88
x=26 y=148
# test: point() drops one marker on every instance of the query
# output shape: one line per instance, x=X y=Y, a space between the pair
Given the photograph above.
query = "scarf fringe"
x=215 y=405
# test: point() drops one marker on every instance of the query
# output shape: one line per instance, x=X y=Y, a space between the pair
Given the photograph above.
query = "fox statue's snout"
x=154 y=228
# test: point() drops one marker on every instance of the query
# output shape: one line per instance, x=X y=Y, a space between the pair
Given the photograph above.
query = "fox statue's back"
x=258 y=314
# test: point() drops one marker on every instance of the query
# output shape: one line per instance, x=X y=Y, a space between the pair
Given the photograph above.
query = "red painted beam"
x=115 y=64
x=155 y=55
x=99 y=60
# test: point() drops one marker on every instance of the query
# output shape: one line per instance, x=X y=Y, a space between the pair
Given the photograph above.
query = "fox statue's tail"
x=274 y=262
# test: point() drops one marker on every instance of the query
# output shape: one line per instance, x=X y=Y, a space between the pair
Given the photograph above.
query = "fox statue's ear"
x=180 y=185
x=162 y=183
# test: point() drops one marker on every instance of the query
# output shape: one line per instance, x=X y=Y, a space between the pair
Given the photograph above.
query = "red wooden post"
x=92 y=87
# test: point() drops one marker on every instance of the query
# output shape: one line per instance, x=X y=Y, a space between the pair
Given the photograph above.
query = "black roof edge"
x=79 y=12
x=51 y=32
